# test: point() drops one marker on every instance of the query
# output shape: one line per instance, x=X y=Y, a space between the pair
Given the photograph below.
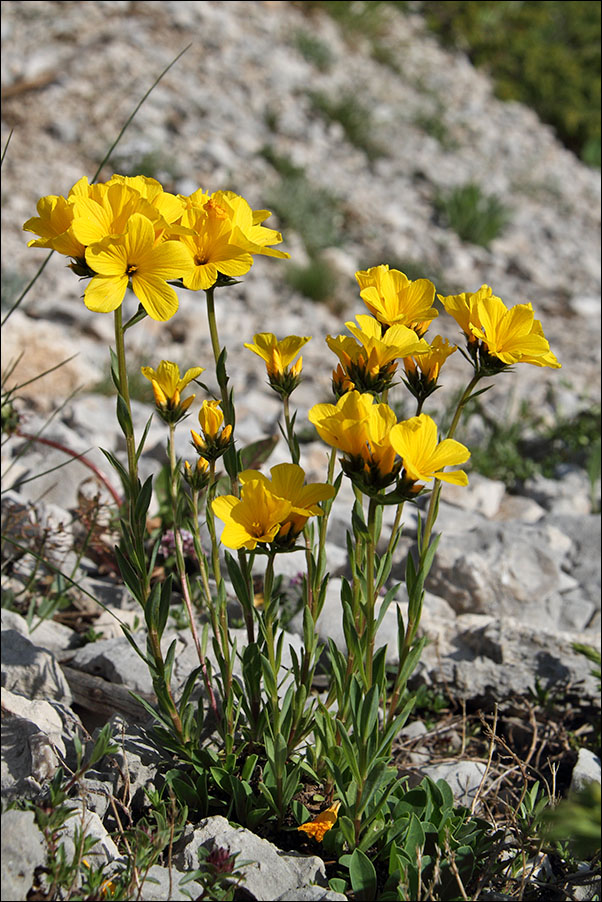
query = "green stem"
x=181 y=566
x=200 y=554
x=433 y=504
x=138 y=528
x=217 y=351
x=124 y=391
x=415 y=611
x=268 y=618
x=290 y=437
x=370 y=591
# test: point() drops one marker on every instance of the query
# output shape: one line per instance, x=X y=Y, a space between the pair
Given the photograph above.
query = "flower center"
x=131 y=269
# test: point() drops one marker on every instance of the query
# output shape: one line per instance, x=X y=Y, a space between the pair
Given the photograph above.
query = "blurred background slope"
x=375 y=132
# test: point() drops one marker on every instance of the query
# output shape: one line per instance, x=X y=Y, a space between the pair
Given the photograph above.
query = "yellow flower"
x=370 y=361
x=167 y=385
x=344 y=425
x=431 y=357
x=255 y=517
x=513 y=335
x=211 y=418
x=321 y=824
x=255 y=237
x=169 y=206
x=211 y=246
x=137 y=257
x=423 y=458
x=287 y=482
x=422 y=369
x=392 y=298
x=360 y=428
x=498 y=333
x=216 y=437
x=278 y=355
x=104 y=211
x=53 y=224
x=463 y=308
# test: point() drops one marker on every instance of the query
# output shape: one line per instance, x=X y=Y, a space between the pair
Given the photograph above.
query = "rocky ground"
x=517 y=577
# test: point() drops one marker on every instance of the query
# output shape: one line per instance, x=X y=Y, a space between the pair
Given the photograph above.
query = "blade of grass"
x=96 y=174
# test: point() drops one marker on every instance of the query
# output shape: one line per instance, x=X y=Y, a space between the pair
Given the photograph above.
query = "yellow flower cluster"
x=499 y=336
x=129 y=231
x=371 y=439
x=401 y=312
x=270 y=511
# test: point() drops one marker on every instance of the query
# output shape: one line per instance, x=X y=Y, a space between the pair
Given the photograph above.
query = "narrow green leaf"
x=123 y=417
x=143 y=501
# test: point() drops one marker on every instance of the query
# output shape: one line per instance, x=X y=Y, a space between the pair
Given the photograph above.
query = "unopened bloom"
x=135 y=257
x=370 y=360
x=211 y=417
x=498 y=336
x=167 y=386
x=423 y=456
x=321 y=824
x=392 y=298
x=216 y=437
x=278 y=356
x=422 y=370
x=197 y=476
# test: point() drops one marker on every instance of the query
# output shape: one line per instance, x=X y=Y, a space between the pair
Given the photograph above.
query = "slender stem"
x=247 y=612
x=268 y=616
x=130 y=441
x=290 y=437
x=395 y=528
x=433 y=504
x=138 y=527
x=27 y=288
x=217 y=350
x=414 y=612
x=370 y=590
x=181 y=565
x=200 y=554
x=217 y=574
